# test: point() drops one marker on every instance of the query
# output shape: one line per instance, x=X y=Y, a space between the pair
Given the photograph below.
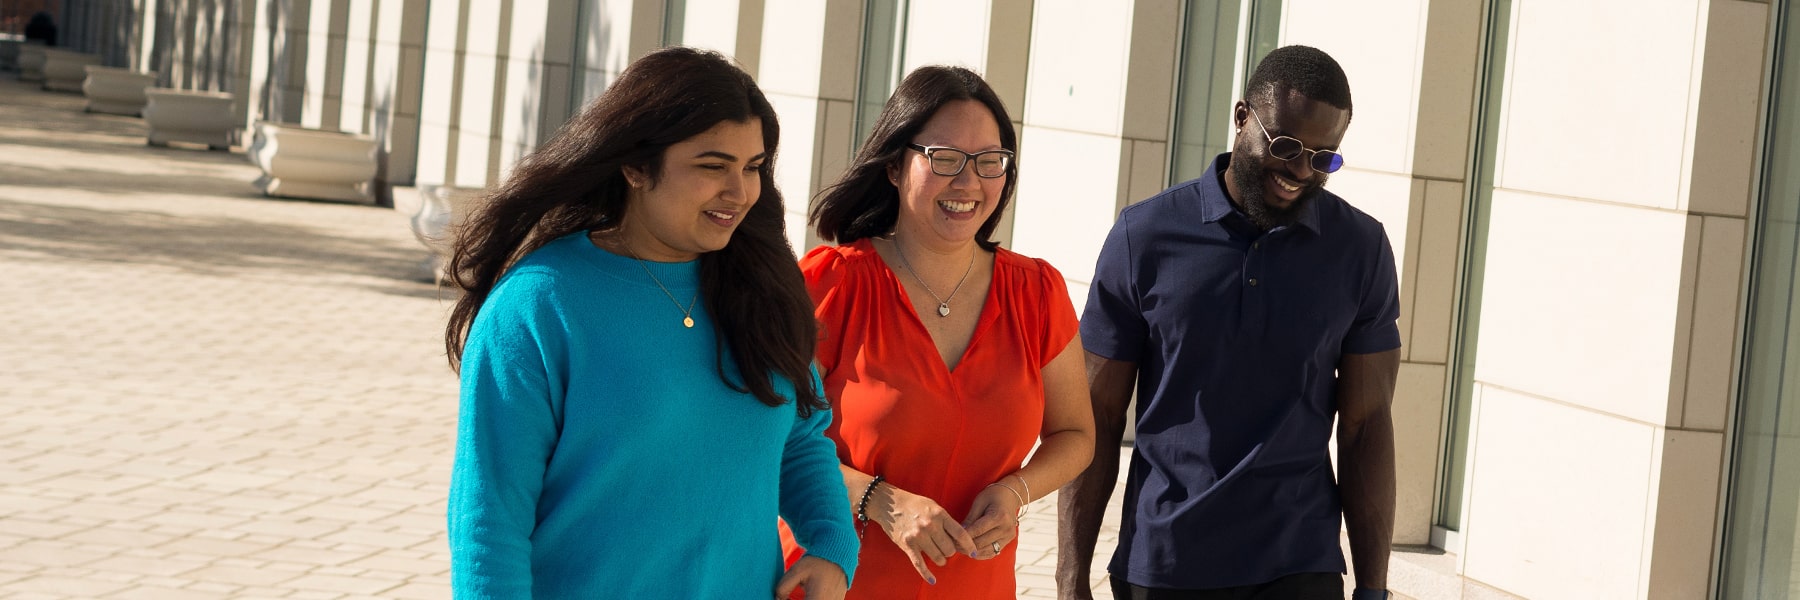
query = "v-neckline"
x=981 y=319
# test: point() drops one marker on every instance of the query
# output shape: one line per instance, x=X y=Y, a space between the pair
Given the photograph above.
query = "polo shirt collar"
x=1215 y=203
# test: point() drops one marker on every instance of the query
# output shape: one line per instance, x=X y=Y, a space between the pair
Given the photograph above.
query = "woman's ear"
x=893 y=173
x=635 y=176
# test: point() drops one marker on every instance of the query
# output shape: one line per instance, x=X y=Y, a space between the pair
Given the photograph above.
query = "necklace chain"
x=943 y=302
x=687 y=314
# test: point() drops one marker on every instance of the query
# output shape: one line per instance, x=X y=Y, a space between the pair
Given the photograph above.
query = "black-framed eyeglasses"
x=1287 y=148
x=949 y=162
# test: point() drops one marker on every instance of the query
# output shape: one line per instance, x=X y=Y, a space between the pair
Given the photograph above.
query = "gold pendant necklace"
x=943 y=302
x=687 y=314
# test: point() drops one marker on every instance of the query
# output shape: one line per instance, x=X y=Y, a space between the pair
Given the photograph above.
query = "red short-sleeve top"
x=899 y=412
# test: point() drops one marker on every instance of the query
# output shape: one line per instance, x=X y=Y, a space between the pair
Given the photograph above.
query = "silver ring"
x=996 y=547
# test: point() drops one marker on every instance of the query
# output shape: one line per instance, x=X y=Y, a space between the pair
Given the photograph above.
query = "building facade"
x=1594 y=205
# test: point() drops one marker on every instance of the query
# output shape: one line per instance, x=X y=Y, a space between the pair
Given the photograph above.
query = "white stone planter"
x=31 y=62
x=442 y=210
x=187 y=116
x=9 y=53
x=65 y=71
x=116 y=91
x=310 y=163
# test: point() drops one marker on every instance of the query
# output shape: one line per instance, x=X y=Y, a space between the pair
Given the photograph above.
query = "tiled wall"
x=1611 y=305
x=808 y=71
x=1405 y=155
x=502 y=78
x=1096 y=121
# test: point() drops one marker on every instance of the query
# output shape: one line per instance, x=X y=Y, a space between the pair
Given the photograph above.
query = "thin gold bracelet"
x=1026 y=490
x=1021 y=512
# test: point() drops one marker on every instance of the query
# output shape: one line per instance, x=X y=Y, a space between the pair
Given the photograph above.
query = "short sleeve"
x=1375 y=328
x=1060 y=324
x=1113 y=324
x=823 y=268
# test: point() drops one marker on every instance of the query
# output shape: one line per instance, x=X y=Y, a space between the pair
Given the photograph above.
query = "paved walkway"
x=211 y=394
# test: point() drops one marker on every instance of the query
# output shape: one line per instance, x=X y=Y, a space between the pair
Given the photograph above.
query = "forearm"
x=855 y=483
x=1366 y=486
x=1081 y=506
x=1059 y=458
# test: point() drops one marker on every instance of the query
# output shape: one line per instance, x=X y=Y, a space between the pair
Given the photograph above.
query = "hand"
x=921 y=528
x=992 y=521
x=822 y=580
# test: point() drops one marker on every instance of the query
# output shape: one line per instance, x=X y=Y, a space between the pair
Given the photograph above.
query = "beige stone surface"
x=1687 y=502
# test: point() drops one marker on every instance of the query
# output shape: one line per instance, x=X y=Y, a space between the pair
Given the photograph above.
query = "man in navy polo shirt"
x=1249 y=308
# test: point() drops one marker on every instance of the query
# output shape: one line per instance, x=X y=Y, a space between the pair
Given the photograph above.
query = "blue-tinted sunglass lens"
x=1327 y=161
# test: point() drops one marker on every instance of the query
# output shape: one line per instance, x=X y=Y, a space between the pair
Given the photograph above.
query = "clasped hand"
x=925 y=531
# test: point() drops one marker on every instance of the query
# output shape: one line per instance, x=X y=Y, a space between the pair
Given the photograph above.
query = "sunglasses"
x=1287 y=148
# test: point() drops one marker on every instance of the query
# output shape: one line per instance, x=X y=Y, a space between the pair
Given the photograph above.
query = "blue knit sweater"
x=599 y=455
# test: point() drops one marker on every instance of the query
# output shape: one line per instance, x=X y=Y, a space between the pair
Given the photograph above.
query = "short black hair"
x=1303 y=69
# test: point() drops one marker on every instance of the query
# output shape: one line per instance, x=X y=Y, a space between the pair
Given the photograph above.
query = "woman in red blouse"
x=945 y=357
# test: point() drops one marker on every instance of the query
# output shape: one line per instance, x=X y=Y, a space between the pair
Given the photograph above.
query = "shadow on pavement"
x=113 y=182
x=209 y=245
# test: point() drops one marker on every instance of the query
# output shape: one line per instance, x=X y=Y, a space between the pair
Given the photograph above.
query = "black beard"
x=1248 y=173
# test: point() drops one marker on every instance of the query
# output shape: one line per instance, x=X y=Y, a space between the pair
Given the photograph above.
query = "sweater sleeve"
x=813 y=499
x=506 y=430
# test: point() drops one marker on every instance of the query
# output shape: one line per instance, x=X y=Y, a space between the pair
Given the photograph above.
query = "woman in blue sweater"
x=635 y=344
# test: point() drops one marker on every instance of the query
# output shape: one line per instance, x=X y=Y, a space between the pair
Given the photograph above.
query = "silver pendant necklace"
x=943 y=302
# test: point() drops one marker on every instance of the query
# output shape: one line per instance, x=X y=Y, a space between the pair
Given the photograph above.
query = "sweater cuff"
x=839 y=546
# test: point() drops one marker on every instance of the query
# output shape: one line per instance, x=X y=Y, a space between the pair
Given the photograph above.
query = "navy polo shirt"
x=1237 y=335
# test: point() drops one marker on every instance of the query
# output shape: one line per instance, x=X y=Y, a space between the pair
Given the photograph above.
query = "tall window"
x=1221 y=41
x=883 y=56
x=674 y=21
x=1762 y=530
x=1453 y=478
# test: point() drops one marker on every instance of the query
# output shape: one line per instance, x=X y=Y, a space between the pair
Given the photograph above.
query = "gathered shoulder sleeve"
x=814 y=502
x=508 y=419
x=824 y=269
x=1060 y=324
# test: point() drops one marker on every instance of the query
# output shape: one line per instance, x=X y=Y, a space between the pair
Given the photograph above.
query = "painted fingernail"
x=931 y=580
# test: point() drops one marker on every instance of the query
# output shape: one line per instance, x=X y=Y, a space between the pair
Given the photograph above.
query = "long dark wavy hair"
x=863 y=203
x=753 y=287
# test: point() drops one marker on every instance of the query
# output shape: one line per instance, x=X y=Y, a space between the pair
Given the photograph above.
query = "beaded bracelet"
x=862 y=515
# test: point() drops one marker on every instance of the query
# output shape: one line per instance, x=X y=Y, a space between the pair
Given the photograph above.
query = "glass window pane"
x=1764 y=503
x=1456 y=433
x=1207 y=86
x=674 y=21
x=883 y=52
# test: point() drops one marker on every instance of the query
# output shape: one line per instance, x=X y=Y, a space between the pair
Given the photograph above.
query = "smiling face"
x=1269 y=190
x=947 y=210
x=707 y=184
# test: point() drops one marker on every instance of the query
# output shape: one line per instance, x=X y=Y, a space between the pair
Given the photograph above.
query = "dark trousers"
x=1300 y=586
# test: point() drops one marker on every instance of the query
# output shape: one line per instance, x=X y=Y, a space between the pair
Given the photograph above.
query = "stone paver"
x=212 y=394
